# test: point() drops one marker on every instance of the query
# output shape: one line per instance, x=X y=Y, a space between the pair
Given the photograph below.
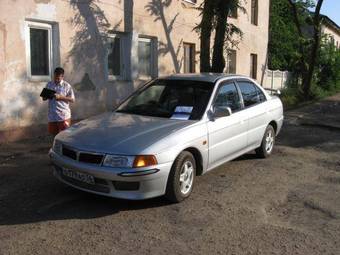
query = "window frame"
x=254 y=17
x=109 y=37
x=227 y=82
x=192 y=47
x=233 y=14
x=45 y=26
x=153 y=56
x=253 y=67
x=228 y=61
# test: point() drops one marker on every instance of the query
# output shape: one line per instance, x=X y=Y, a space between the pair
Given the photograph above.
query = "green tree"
x=328 y=67
x=215 y=18
x=308 y=51
x=282 y=37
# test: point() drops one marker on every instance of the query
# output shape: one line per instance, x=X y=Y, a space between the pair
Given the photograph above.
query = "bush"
x=290 y=97
x=327 y=80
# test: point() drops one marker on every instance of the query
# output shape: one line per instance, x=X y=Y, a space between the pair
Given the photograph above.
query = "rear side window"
x=251 y=93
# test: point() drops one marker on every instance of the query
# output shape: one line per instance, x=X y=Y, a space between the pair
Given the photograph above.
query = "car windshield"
x=175 y=99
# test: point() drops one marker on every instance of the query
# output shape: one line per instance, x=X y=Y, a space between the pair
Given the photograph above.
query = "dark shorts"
x=55 y=127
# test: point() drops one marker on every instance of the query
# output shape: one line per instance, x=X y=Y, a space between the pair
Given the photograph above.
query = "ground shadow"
x=55 y=201
x=30 y=193
x=303 y=136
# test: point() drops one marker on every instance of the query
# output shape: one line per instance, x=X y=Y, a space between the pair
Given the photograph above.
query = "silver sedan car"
x=165 y=134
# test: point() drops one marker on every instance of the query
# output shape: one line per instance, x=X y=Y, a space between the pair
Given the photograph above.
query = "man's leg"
x=53 y=128
x=62 y=125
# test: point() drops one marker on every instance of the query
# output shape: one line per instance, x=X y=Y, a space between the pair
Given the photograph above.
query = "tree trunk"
x=307 y=84
x=218 y=61
x=308 y=60
x=206 y=30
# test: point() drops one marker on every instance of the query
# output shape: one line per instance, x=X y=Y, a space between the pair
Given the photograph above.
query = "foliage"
x=282 y=37
x=326 y=80
x=328 y=67
x=294 y=30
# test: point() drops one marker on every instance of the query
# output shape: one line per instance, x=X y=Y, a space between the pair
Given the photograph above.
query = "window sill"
x=144 y=77
x=39 y=78
x=115 y=78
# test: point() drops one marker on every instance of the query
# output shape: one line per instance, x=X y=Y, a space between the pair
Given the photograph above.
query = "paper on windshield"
x=182 y=113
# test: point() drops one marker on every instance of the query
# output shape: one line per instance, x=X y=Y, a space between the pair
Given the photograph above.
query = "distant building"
x=108 y=48
x=331 y=29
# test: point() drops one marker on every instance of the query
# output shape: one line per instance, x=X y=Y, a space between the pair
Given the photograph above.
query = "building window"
x=146 y=57
x=254 y=12
x=332 y=40
x=189 y=57
x=253 y=66
x=233 y=13
x=39 y=50
x=231 y=61
x=115 y=57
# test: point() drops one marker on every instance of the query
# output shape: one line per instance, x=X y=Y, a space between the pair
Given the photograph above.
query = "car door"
x=255 y=108
x=227 y=135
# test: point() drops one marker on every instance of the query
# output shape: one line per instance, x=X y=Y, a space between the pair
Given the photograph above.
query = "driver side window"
x=227 y=96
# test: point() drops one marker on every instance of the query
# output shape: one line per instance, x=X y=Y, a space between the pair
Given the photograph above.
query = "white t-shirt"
x=59 y=110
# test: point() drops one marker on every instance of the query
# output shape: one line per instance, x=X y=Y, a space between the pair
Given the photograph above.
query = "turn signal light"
x=144 y=160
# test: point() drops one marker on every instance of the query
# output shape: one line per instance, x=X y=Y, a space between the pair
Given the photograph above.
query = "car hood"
x=120 y=133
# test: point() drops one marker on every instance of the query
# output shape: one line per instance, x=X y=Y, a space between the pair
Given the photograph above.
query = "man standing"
x=59 y=112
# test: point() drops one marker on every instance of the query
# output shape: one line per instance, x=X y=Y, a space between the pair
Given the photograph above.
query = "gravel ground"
x=286 y=204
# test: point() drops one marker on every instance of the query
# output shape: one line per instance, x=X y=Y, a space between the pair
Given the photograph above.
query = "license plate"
x=79 y=176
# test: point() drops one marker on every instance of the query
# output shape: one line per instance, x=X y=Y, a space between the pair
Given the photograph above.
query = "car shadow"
x=56 y=201
x=248 y=156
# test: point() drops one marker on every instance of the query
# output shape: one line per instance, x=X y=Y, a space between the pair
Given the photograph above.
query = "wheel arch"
x=198 y=159
x=273 y=123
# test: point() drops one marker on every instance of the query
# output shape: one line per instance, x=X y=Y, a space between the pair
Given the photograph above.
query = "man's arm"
x=59 y=97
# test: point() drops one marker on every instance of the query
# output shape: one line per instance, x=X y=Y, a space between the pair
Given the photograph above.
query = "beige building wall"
x=332 y=33
x=80 y=31
x=255 y=38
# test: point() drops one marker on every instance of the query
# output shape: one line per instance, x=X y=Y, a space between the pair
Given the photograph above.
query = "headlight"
x=118 y=161
x=57 y=147
x=129 y=161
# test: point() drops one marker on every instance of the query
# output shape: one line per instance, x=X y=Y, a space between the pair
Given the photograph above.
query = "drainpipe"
x=266 y=63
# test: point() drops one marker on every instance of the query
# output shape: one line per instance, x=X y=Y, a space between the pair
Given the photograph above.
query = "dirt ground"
x=287 y=204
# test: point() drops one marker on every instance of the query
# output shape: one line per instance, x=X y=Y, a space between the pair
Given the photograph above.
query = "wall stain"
x=85 y=85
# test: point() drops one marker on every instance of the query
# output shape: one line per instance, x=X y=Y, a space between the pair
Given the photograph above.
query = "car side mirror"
x=221 y=111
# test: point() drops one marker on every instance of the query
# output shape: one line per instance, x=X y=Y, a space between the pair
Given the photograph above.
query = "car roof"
x=205 y=77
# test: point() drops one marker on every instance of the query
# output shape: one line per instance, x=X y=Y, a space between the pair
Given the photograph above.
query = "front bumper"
x=151 y=182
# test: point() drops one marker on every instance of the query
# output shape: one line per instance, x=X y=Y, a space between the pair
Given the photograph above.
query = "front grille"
x=69 y=153
x=90 y=158
x=85 y=157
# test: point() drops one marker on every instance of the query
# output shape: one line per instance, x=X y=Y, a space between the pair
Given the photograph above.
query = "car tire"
x=267 y=144
x=181 y=178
